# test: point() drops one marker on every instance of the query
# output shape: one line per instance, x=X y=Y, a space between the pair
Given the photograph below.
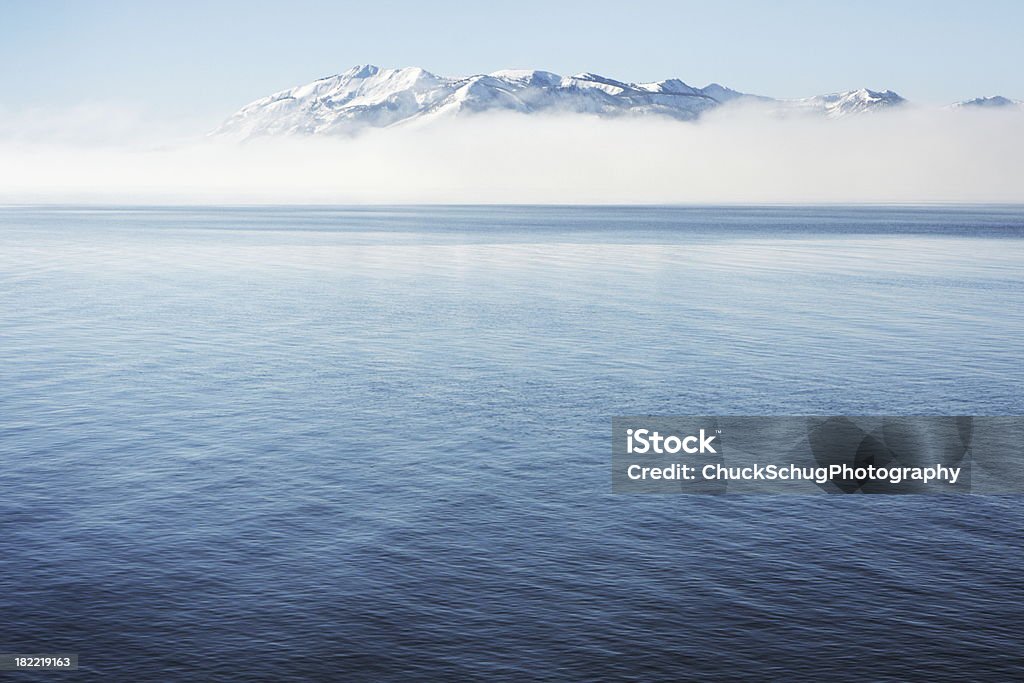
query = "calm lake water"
x=373 y=444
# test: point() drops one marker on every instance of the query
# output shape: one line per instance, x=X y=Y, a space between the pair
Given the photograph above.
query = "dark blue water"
x=373 y=444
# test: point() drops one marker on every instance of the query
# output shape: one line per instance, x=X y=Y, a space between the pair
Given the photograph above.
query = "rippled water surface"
x=373 y=444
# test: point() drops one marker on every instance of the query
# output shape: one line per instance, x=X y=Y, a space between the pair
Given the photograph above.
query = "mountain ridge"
x=368 y=96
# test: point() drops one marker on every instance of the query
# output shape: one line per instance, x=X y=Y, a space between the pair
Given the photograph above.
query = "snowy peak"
x=363 y=96
x=361 y=71
x=840 y=104
x=993 y=102
x=528 y=77
x=671 y=86
x=368 y=96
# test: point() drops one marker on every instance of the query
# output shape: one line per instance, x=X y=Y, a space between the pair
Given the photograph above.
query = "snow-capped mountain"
x=996 y=101
x=369 y=96
x=837 y=105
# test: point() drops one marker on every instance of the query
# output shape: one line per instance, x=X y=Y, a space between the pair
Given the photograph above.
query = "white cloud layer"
x=733 y=155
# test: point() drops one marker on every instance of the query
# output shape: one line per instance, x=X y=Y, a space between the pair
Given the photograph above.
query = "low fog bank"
x=733 y=155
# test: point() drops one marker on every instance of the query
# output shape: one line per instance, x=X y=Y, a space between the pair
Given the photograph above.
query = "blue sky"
x=203 y=60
